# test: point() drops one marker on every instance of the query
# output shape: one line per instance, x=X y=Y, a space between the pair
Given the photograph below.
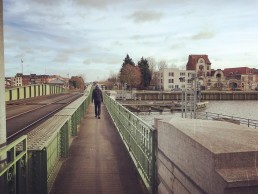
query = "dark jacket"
x=97 y=95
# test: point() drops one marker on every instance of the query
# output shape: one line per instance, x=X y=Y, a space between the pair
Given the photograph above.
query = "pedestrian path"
x=99 y=162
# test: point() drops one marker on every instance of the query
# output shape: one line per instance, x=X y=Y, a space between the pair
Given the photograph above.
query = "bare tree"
x=173 y=66
x=162 y=64
x=152 y=64
x=112 y=80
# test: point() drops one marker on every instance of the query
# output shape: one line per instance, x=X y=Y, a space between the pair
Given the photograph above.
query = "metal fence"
x=238 y=120
x=13 y=173
x=139 y=138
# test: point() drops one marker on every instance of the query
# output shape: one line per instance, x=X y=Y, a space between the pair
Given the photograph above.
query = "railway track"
x=22 y=122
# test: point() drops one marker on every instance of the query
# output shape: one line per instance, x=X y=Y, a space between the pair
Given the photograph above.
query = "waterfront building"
x=174 y=79
x=201 y=65
x=217 y=80
x=241 y=78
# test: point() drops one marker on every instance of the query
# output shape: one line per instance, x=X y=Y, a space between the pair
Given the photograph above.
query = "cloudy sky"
x=92 y=37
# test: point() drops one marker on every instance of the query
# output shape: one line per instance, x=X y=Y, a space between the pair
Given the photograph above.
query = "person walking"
x=98 y=98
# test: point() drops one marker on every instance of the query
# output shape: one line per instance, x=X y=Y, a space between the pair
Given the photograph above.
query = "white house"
x=174 y=79
x=17 y=80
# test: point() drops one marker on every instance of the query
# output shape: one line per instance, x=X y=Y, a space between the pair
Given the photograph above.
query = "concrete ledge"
x=204 y=156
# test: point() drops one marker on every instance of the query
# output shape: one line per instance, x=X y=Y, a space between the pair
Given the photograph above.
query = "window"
x=171 y=74
x=182 y=79
x=201 y=67
x=170 y=80
x=182 y=73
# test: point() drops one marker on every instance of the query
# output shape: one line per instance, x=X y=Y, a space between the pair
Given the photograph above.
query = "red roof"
x=238 y=71
x=192 y=60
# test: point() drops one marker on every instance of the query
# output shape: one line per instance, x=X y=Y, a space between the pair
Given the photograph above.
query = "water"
x=243 y=109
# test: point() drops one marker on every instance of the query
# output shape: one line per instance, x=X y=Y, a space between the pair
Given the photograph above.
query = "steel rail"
x=12 y=117
x=20 y=131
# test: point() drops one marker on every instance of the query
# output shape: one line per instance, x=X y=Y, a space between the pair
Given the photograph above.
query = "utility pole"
x=22 y=65
x=2 y=98
x=68 y=80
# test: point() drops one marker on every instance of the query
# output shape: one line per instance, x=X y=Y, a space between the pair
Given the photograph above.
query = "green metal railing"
x=14 y=172
x=139 y=138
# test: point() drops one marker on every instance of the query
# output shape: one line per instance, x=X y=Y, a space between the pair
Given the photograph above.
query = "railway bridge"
x=70 y=151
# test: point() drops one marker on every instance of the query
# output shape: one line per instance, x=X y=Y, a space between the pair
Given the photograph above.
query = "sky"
x=92 y=37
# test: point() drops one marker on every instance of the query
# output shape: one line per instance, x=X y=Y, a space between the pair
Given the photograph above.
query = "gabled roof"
x=238 y=71
x=192 y=60
x=56 y=81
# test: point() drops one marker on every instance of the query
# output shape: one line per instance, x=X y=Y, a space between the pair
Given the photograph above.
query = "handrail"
x=15 y=155
x=209 y=115
x=139 y=138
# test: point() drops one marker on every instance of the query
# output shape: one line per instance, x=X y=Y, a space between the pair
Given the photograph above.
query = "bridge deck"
x=99 y=162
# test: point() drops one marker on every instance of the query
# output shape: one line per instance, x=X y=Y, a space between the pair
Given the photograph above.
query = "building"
x=17 y=80
x=217 y=80
x=201 y=65
x=241 y=78
x=8 y=82
x=58 y=82
x=174 y=79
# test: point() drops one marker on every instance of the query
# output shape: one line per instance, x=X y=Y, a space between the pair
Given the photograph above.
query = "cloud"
x=146 y=16
x=177 y=46
x=97 y=3
x=46 y=2
x=203 y=35
x=97 y=60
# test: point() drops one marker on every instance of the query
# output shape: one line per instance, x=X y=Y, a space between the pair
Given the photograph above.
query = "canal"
x=243 y=109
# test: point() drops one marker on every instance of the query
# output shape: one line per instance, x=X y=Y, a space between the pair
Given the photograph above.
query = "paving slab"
x=99 y=162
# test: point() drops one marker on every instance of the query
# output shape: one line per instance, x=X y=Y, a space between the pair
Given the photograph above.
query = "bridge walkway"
x=99 y=162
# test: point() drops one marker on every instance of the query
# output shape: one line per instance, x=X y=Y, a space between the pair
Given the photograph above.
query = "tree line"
x=140 y=75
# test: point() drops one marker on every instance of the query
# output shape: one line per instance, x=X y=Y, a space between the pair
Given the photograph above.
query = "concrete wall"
x=201 y=156
x=205 y=95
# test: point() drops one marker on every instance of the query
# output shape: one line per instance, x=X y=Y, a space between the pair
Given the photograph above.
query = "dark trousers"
x=97 y=108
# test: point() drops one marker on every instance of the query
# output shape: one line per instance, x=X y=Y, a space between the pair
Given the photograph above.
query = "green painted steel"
x=37 y=175
x=31 y=91
x=139 y=138
x=15 y=170
x=14 y=94
x=21 y=93
x=45 y=161
x=32 y=170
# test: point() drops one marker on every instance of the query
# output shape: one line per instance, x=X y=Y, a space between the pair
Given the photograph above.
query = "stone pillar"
x=2 y=88
x=2 y=103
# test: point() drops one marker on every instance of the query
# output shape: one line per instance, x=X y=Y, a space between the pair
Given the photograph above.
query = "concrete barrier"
x=204 y=156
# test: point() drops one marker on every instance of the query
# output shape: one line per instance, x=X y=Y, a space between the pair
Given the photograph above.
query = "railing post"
x=154 y=162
